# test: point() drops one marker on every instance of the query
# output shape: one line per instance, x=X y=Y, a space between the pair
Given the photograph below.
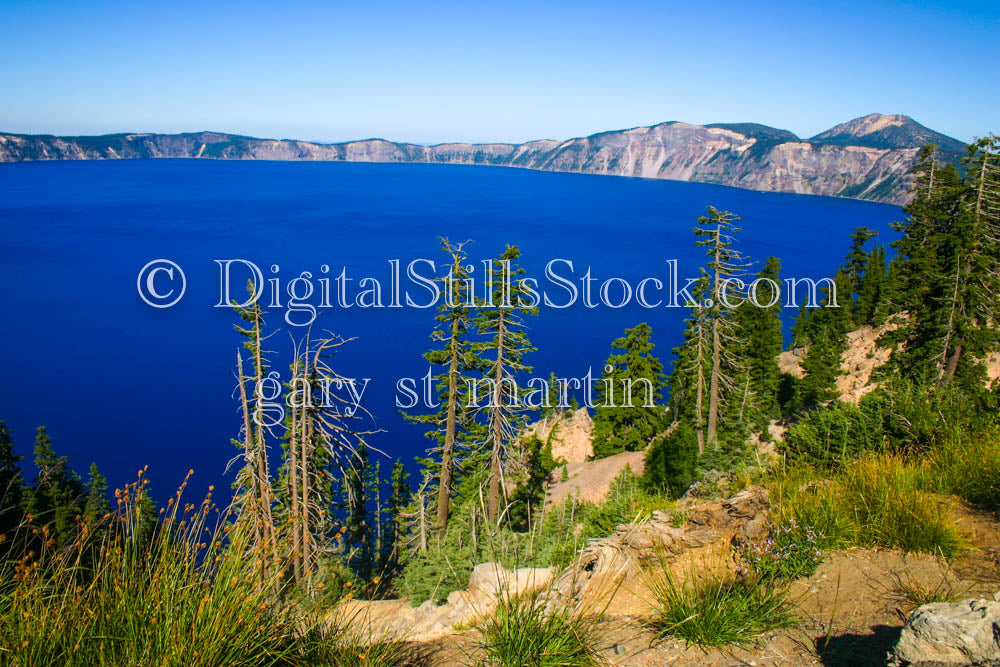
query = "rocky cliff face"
x=867 y=158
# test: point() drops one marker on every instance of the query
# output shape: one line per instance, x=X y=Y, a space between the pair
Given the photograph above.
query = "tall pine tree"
x=629 y=410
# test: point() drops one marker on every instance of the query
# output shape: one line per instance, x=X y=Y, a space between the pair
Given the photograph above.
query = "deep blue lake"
x=126 y=385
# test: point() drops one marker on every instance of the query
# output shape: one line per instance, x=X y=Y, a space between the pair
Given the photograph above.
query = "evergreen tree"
x=454 y=419
x=949 y=280
x=726 y=263
x=501 y=320
x=857 y=260
x=672 y=461
x=551 y=404
x=54 y=501
x=358 y=536
x=760 y=330
x=692 y=366
x=11 y=490
x=146 y=517
x=801 y=327
x=400 y=496
x=827 y=331
x=529 y=495
x=97 y=505
x=872 y=291
x=629 y=412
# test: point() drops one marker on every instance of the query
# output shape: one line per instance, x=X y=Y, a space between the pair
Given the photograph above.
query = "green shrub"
x=553 y=538
x=900 y=416
x=626 y=502
x=671 y=462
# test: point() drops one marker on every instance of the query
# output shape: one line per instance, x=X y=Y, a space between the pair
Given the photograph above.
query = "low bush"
x=901 y=416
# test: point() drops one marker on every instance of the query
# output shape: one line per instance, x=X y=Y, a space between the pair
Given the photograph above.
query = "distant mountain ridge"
x=881 y=131
x=866 y=158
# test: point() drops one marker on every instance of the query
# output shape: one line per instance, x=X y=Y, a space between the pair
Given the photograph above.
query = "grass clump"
x=967 y=466
x=342 y=646
x=716 y=607
x=190 y=591
x=876 y=500
x=914 y=591
x=525 y=631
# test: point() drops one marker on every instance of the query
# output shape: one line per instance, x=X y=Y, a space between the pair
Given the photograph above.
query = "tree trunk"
x=713 y=391
x=700 y=401
x=292 y=476
x=493 y=501
x=448 y=450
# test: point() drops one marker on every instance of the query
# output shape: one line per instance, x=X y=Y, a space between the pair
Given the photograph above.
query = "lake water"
x=126 y=385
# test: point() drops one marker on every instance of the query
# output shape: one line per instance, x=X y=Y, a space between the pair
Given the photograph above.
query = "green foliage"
x=968 y=466
x=874 y=290
x=626 y=502
x=901 y=415
x=826 y=331
x=526 y=632
x=552 y=538
x=762 y=342
x=396 y=525
x=530 y=492
x=878 y=500
x=359 y=523
x=948 y=277
x=452 y=425
x=714 y=608
x=672 y=461
x=11 y=490
x=56 y=499
x=189 y=597
x=97 y=504
x=347 y=641
x=629 y=412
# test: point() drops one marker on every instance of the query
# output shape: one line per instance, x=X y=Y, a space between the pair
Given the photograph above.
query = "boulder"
x=494 y=580
x=951 y=633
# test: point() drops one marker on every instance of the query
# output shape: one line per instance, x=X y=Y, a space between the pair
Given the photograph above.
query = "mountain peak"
x=878 y=130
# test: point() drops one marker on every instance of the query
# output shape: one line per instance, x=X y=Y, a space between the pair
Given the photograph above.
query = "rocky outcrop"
x=489 y=584
x=606 y=575
x=946 y=633
x=569 y=434
x=859 y=360
x=853 y=161
x=603 y=578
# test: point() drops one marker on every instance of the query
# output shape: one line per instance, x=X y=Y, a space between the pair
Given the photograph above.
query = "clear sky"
x=497 y=71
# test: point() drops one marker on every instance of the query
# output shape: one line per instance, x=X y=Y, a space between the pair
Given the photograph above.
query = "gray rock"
x=952 y=633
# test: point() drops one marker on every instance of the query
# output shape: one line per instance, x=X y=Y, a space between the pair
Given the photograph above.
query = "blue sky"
x=504 y=71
